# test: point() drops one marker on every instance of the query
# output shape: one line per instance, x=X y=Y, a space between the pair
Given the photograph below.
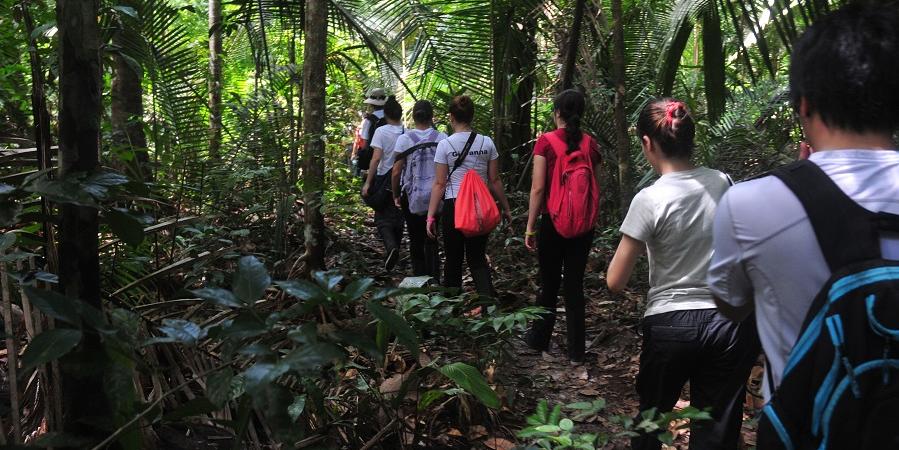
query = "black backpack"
x=840 y=386
x=363 y=156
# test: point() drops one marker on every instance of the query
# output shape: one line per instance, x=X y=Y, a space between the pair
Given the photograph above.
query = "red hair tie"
x=670 y=109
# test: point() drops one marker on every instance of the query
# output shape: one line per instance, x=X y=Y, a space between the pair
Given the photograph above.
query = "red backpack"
x=573 y=201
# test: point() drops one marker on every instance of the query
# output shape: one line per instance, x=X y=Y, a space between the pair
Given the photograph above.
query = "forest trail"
x=527 y=376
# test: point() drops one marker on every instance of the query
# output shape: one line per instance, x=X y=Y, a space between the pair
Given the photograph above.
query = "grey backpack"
x=418 y=174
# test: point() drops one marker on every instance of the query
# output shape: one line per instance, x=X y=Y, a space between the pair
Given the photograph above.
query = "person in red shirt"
x=555 y=254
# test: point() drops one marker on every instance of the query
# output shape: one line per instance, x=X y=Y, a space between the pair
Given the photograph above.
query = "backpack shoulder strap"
x=846 y=232
x=464 y=153
x=556 y=143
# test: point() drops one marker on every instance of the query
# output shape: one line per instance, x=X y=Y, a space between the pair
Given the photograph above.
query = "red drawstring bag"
x=573 y=200
x=476 y=212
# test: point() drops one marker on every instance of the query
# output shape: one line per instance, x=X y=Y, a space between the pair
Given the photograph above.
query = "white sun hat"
x=376 y=97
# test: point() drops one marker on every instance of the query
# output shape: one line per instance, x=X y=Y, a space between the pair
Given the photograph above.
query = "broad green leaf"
x=310 y=358
x=251 y=280
x=218 y=296
x=127 y=10
x=397 y=325
x=297 y=407
x=180 y=331
x=566 y=424
x=470 y=379
x=327 y=280
x=50 y=345
x=302 y=289
x=357 y=289
x=54 y=305
x=125 y=226
x=107 y=178
x=261 y=374
x=245 y=325
x=218 y=386
x=429 y=397
x=548 y=428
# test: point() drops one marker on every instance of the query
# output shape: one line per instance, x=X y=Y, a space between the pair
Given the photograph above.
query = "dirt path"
x=528 y=376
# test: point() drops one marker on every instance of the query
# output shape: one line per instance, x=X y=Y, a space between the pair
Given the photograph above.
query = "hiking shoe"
x=392 y=259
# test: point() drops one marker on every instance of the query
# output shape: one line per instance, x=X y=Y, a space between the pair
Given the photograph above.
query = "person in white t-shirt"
x=375 y=99
x=413 y=175
x=684 y=337
x=483 y=158
x=388 y=218
x=845 y=89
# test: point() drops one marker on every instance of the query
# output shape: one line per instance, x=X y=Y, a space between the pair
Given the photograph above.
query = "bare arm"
x=623 y=262
x=372 y=169
x=438 y=188
x=496 y=187
x=535 y=203
x=396 y=175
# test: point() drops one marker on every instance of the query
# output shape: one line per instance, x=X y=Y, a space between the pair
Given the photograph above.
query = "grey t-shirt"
x=766 y=252
x=482 y=152
x=674 y=217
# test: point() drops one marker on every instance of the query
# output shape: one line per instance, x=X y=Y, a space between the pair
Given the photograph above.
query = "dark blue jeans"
x=711 y=352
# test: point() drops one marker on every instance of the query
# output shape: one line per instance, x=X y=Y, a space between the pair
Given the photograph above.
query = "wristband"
x=431 y=219
x=530 y=233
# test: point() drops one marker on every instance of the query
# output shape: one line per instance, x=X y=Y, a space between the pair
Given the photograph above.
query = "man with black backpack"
x=813 y=247
x=376 y=98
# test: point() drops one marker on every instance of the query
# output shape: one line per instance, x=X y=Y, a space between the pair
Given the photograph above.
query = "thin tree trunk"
x=80 y=104
x=294 y=125
x=215 y=79
x=41 y=133
x=314 y=130
x=622 y=144
x=574 y=38
x=127 y=109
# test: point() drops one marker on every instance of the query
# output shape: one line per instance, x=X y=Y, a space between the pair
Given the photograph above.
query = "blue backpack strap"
x=846 y=232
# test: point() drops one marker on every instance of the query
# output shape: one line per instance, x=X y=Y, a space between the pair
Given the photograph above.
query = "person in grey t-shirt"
x=684 y=337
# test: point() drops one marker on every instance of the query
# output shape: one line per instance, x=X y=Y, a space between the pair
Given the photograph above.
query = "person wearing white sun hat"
x=375 y=98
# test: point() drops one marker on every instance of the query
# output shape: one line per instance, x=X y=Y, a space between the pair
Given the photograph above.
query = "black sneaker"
x=392 y=259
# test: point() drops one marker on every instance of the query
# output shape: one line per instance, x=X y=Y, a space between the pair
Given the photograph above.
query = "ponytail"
x=570 y=106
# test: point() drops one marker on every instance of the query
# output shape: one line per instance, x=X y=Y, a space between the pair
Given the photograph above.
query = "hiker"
x=413 y=177
x=566 y=167
x=376 y=191
x=464 y=152
x=684 y=337
x=375 y=99
x=812 y=230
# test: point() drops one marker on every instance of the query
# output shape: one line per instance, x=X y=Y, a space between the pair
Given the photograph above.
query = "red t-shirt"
x=544 y=148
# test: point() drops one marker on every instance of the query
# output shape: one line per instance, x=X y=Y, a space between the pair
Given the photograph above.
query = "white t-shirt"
x=766 y=251
x=479 y=156
x=674 y=217
x=385 y=139
x=366 y=124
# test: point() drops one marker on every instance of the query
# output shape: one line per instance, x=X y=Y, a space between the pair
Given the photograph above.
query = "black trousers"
x=558 y=257
x=459 y=249
x=423 y=250
x=389 y=222
x=711 y=352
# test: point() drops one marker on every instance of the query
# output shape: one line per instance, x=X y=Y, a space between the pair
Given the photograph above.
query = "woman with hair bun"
x=450 y=169
x=685 y=338
x=557 y=254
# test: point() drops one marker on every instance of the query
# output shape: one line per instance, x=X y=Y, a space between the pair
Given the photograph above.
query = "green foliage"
x=550 y=429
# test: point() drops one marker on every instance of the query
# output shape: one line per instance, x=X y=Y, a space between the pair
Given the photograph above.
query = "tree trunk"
x=80 y=104
x=127 y=110
x=574 y=38
x=42 y=138
x=215 y=78
x=294 y=125
x=314 y=130
x=622 y=144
